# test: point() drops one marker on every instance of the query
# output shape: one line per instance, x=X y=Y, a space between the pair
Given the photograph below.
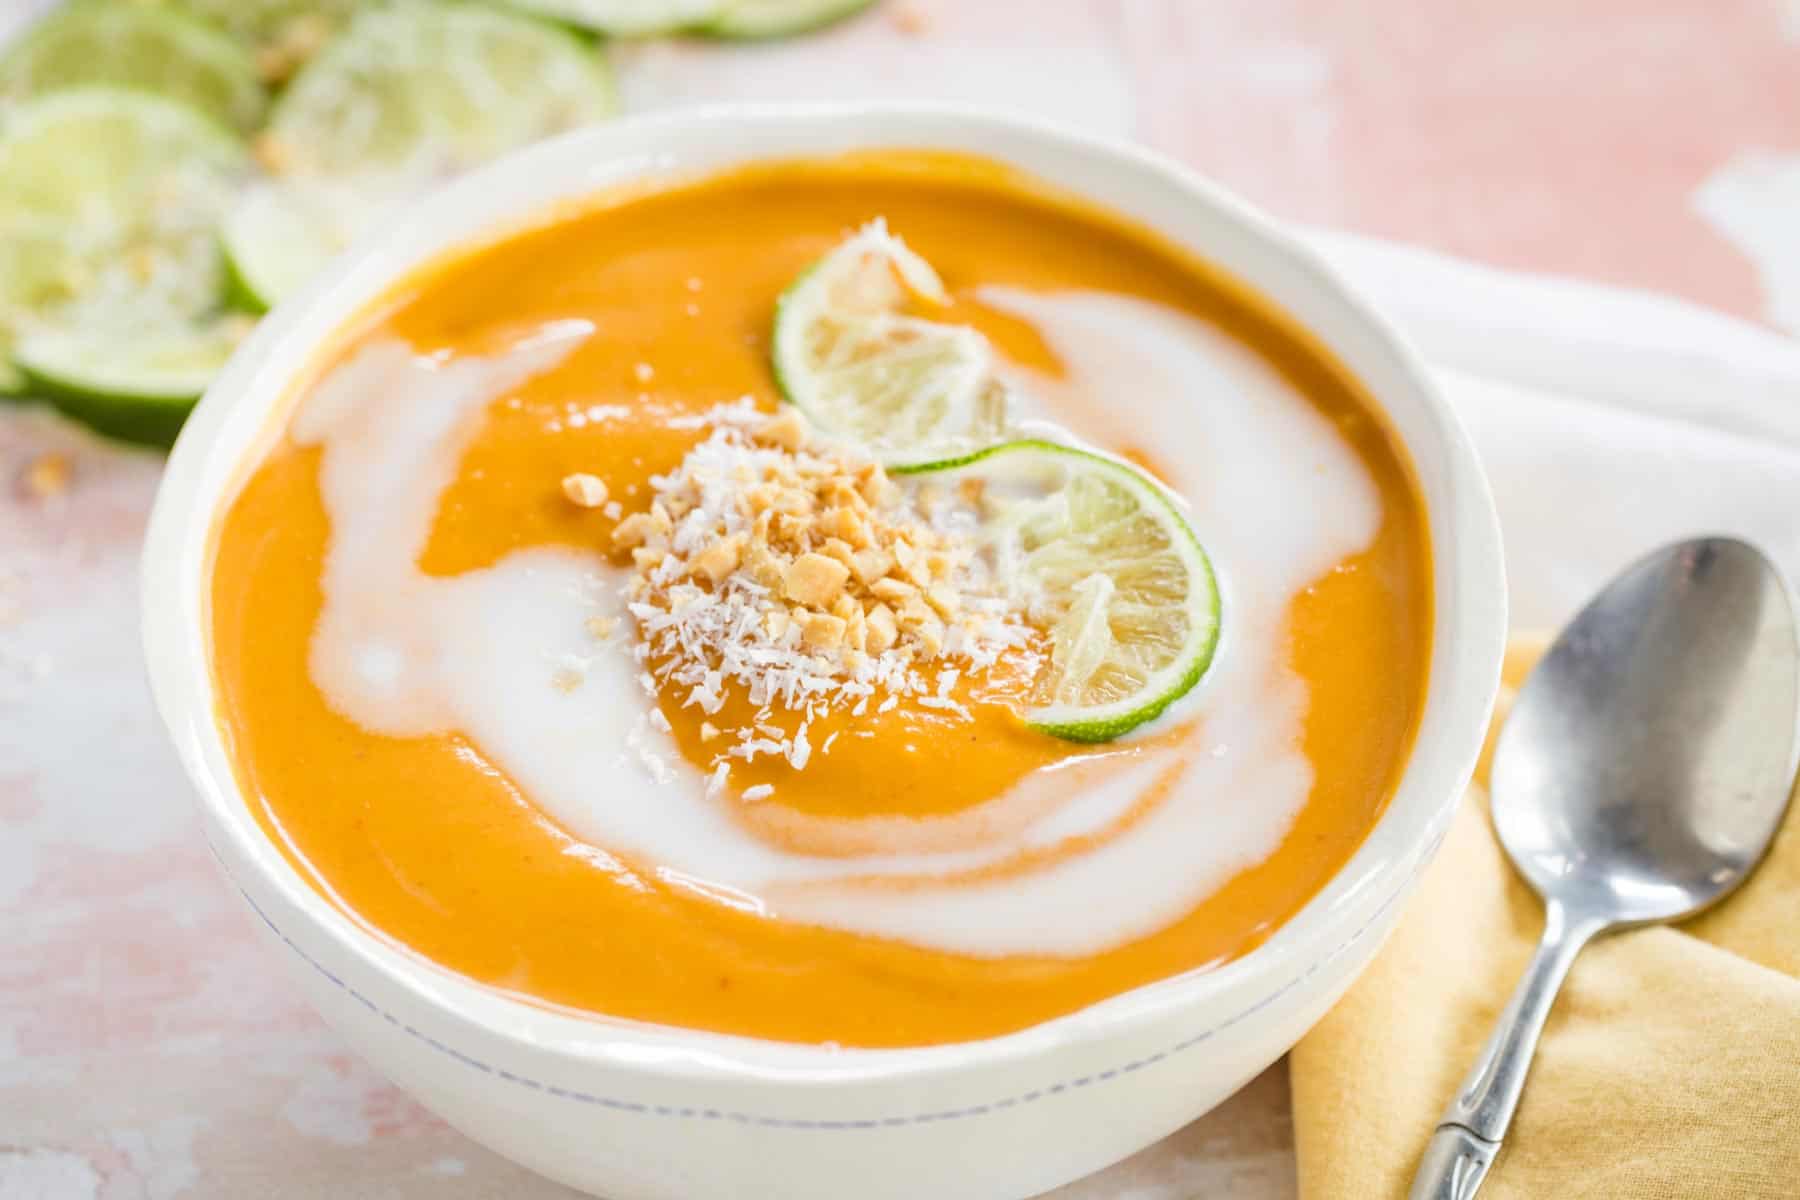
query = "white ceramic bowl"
x=635 y=1111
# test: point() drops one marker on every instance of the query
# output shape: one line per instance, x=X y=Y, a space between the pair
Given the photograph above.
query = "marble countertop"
x=151 y=1045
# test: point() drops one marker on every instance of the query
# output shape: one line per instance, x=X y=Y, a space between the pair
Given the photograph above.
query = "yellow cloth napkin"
x=1670 y=1067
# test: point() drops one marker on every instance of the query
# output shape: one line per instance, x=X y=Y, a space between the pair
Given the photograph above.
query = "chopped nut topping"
x=894 y=591
x=719 y=559
x=910 y=19
x=815 y=580
x=823 y=631
x=274 y=155
x=584 y=491
x=46 y=477
x=786 y=429
x=883 y=630
x=632 y=531
x=801 y=574
x=708 y=731
x=601 y=628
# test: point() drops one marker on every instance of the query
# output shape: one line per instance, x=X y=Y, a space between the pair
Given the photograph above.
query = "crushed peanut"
x=799 y=572
x=910 y=19
x=814 y=580
x=584 y=490
x=46 y=477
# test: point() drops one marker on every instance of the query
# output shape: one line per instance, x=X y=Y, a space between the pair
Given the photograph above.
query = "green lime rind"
x=239 y=293
x=761 y=20
x=152 y=48
x=279 y=234
x=1199 y=611
x=627 y=18
x=138 y=387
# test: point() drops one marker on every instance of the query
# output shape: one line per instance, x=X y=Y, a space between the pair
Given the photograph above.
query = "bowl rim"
x=1468 y=636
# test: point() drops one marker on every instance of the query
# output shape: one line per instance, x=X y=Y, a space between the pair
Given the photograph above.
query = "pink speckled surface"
x=150 y=1043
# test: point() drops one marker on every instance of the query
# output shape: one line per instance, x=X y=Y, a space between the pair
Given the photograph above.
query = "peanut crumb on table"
x=46 y=477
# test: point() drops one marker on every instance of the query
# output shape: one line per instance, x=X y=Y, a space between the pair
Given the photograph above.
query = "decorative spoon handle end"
x=1455 y=1163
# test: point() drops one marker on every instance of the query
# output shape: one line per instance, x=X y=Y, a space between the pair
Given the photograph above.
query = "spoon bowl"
x=1642 y=775
x=1648 y=759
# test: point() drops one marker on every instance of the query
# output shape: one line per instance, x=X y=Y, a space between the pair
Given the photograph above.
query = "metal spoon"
x=1643 y=772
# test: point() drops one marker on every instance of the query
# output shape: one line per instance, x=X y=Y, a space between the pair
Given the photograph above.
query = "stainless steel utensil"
x=1641 y=776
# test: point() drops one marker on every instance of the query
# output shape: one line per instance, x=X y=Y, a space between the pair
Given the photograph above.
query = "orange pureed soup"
x=432 y=689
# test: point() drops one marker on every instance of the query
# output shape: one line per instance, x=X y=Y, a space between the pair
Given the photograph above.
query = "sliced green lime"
x=279 y=234
x=1100 y=555
x=407 y=95
x=137 y=385
x=627 y=18
x=754 y=19
x=108 y=203
x=847 y=354
x=282 y=34
x=137 y=46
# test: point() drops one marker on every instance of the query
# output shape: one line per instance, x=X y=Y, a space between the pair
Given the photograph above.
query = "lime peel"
x=753 y=20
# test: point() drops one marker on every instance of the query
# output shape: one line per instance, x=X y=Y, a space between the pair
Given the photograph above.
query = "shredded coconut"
x=801 y=575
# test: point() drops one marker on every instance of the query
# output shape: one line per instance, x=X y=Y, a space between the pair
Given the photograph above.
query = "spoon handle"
x=1469 y=1133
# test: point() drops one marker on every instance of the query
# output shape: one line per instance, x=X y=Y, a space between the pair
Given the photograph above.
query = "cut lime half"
x=1099 y=554
x=133 y=384
x=756 y=19
x=108 y=202
x=848 y=354
x=627 y=18
x=283 y=34
x=280 y=233
x=156 y=49
x=409 y=94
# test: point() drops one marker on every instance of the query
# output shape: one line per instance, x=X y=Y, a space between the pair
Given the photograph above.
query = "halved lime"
x=282 y=34
x=132 y=384
x=407 y=95
x=755 y=19
x=130 y=45
x=627 y=18
x=1099 y=554
x=847 y=353
x=279 y=234
x=108 y=202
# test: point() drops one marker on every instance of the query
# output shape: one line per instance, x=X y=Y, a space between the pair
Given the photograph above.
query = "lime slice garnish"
x=136 y=46
x=1099 y=554
x=627 y=18
x=109 y=200
x=137 y=385
x=779 y=18
x=847 y=353
x=407 y=95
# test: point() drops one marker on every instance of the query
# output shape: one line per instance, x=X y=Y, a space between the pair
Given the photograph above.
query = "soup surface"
x=441 y=709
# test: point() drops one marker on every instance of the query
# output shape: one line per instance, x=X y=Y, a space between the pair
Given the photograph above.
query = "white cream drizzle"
x=1276 y=496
